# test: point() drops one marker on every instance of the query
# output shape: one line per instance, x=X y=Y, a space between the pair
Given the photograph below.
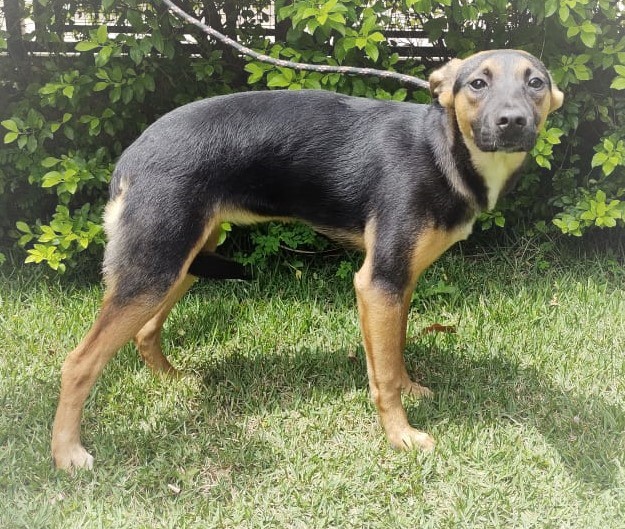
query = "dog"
x=401 y=181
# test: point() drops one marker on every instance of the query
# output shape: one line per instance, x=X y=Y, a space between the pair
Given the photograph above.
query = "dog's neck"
x=496 y=168
x=489 y=173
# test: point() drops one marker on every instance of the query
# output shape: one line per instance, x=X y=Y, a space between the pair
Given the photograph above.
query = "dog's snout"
x=511 y=120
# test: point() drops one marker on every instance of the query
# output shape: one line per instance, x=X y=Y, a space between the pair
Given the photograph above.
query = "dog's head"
x=500 y=98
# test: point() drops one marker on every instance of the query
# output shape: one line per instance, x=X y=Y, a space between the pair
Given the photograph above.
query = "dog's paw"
x=416 y=390
x=72 y=457
x=411 y=438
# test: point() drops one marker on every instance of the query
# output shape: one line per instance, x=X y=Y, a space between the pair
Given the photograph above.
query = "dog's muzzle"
x=508 y=131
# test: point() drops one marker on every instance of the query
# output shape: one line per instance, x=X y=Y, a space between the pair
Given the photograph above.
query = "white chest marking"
x=496 y=168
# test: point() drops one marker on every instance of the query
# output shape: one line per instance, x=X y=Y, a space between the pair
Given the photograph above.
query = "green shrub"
x=66 y=118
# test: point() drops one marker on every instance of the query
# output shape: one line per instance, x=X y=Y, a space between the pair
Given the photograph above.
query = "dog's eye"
x=478 y=84
x=536 y=83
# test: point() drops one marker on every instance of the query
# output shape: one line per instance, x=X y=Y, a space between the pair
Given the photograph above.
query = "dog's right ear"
x=442 y=82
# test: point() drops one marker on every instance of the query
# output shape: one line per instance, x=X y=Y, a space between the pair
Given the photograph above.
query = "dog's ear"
x=442 y=82
x=557 y=97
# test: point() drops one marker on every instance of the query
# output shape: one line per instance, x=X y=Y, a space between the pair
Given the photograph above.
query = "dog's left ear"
x=442 y=82
x=557 y=97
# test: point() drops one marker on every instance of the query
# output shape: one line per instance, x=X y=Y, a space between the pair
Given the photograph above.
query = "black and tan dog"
x=402 y=181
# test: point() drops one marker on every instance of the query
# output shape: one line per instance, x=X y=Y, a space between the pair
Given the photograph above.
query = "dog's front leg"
x=383 y=317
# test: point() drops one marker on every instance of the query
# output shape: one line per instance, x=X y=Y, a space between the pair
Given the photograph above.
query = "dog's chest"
x=496 y=169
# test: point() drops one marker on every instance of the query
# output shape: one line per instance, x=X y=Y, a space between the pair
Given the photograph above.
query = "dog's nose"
x=511 y=120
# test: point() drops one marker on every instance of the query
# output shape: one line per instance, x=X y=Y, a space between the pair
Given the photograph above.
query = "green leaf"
x=103 y=56
x=31 y=144
x=338 y=18
x=148 y=82
x=277 y=80
x=255 y=71
x=50 y=161
x=49 y=88
x=10 y=137
x=253 y=68
x=589 y=39
x=51 y=179
x=102 y=34
x=287 y=73
x=136 y=20
x=99 y=86
x=115 y=94
x=312 y=83
x=22 y=226
x=618 y=83
x=136 y=54
x=400 y=94
x=86 y=45
x=9 y=124
x=551 y=6
x=158 y=41
x=127 y=93
x=599 y=159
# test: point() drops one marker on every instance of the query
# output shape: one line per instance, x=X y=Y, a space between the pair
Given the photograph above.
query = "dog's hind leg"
x=120 y=319
x=148 y=339
x=142 y=284
x=115 y=325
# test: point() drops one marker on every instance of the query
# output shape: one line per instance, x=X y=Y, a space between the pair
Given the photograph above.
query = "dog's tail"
x=214 y=266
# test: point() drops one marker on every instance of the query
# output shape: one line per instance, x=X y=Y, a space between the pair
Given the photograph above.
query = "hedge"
x=72 y=97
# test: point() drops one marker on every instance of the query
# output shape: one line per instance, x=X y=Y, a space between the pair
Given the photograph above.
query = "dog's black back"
x=317 y=156
x=313 y=155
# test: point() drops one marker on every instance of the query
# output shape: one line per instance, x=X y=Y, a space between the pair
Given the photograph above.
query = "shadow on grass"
x=585 y=430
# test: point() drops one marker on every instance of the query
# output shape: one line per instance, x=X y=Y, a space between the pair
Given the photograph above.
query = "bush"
x=66 y=117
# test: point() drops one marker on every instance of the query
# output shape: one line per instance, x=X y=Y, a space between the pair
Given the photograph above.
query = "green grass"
x=273 y=426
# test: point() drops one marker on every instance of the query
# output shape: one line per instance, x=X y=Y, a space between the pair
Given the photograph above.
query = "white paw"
x=72 y=457
x=411 y=438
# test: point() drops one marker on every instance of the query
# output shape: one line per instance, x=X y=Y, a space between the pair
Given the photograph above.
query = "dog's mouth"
x=488 y=140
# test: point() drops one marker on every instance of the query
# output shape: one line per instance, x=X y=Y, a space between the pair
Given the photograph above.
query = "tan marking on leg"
x=383 y=319
x=148 y=339
x=112 y=329
x=432 y=243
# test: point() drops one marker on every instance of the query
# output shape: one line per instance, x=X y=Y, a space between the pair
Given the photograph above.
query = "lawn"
x=272 y=425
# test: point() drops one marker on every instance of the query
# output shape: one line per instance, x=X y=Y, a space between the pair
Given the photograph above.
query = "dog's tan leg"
x=148 y=339
x=409 y=386
x=113 y=328
x=116 y=325
x=383 y=318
